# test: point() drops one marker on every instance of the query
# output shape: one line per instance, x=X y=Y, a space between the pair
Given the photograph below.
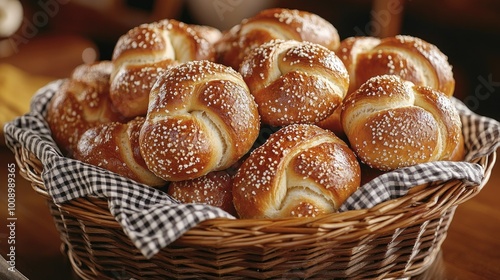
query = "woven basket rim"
x=459 y=194
x=421 y=218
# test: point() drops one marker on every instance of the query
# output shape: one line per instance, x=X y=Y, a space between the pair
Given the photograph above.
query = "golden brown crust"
x=165 y=39
x=409 y=57
x=82 y=101
x=97 y=73
x=132 y=83
x=201 y=118
x=147 y=51
x=294 y=82
x=348 y=52
x=214 y=189
x=392 y=123
x=115 y=146
x=270 y=24
x=301 y=170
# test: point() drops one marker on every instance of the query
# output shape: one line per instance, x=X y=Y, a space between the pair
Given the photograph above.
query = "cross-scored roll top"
x=301 y=170
x=392 y=123
x=147 y=51
x=165 y=39
x=409 y=57
x=294 y=82
x=201 y=118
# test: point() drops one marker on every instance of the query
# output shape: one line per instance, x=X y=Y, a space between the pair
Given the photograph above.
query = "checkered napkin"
x=153 y=220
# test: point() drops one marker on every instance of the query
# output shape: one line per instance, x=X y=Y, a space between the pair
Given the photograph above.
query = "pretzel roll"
x=348 y=51
x=147 y=51
x=392 y=123
x=165 y=39
x=132 y=83
x=411 y=58
x=82 y=101
x=214 y=189
x=270 y=24
x=302 y=170
x=97 y=73
x=114 y=146
x=294 y=82
x=201 y=118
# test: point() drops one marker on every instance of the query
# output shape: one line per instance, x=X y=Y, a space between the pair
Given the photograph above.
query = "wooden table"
x=470 y=251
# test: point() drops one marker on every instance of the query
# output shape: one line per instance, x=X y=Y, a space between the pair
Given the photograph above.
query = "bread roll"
x=132 y=83
x=270 y=24
x=97 y=73
x=147 y=51
x=294 y=82
x=409 y=57
x=115 y=146
x=392 y=123
x=214 y=189
x=82 y=101
x=201 y=118
x=300 y=171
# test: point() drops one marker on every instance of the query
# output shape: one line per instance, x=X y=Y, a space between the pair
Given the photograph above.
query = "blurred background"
x=51 y=37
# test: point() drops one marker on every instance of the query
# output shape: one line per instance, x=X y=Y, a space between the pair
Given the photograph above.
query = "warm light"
x=11 y=17
x=89 y=55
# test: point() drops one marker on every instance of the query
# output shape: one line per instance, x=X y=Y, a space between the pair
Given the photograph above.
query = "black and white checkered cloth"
x=153 y=220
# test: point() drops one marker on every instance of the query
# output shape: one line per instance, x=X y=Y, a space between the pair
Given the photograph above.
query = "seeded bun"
x=201 y=118
x=300 y=171
x=392 y=123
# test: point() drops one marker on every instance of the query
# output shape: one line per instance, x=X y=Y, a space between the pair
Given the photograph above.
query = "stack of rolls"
x=275 y=117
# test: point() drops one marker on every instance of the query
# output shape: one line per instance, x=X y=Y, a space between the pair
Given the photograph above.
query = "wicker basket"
x=396 y=239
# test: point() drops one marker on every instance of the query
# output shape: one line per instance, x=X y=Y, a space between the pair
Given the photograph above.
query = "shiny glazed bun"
x=115 y=147
x=411 y=58
x=132 y=83
x=270 y=24
x=97 y=73
x=300 y=171
x=147 y=51
x=392 y=123
x=201 y=118
x=294 y=82
x=82 y=101
x=214 y=189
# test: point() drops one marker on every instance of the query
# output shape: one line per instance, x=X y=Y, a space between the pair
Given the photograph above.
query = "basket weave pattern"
x=397 y=238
